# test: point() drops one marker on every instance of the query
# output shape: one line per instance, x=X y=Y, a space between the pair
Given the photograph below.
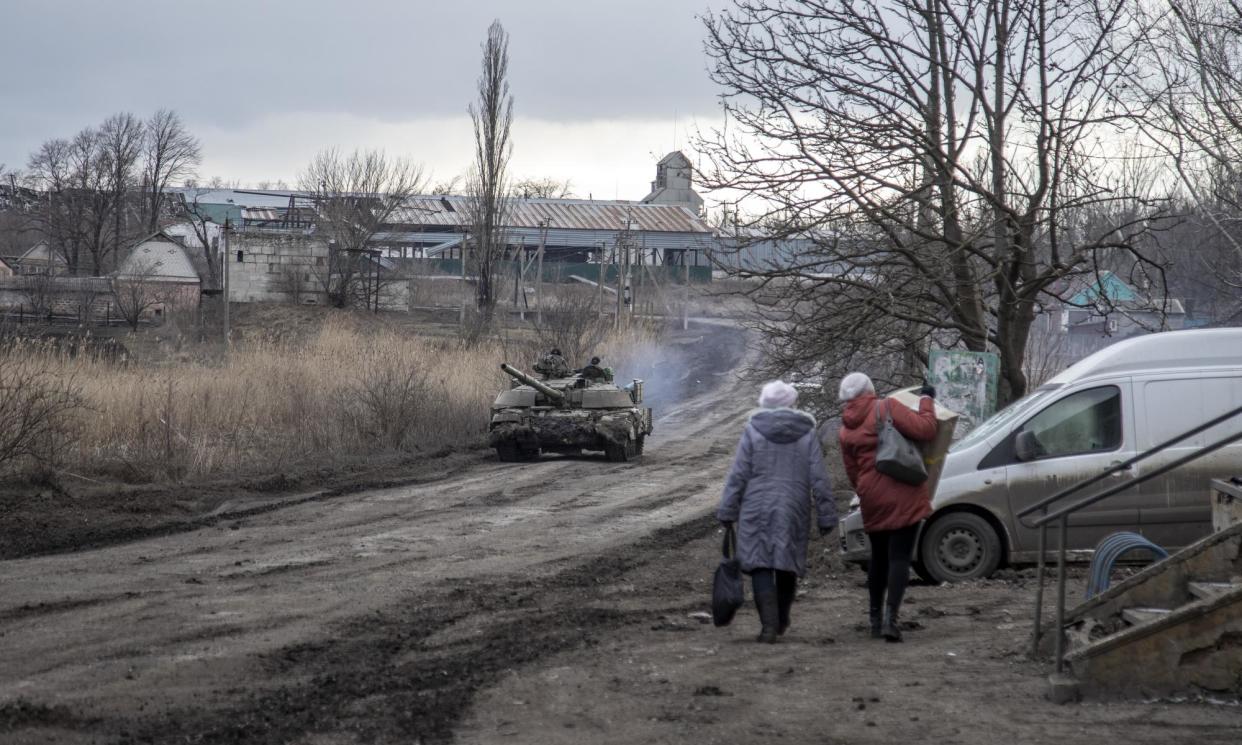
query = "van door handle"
x=1122 y=472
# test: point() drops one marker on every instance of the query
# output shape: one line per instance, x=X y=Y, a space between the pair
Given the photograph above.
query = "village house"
x=1101 y=304
x=41 y=258
x=163 y=266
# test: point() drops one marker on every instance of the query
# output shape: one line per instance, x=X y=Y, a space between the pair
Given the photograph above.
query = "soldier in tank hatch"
x=552 y=364
x=593 y=371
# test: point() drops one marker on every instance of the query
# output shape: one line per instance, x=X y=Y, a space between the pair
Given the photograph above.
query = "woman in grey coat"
x=777 y=470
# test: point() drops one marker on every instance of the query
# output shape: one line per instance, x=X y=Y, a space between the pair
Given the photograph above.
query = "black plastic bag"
x=727 y=594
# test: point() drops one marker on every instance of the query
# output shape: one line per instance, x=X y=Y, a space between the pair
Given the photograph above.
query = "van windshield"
x=1002 y=418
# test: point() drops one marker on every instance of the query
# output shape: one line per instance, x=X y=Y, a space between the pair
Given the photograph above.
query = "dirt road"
x=184 y=634
x=546 y=602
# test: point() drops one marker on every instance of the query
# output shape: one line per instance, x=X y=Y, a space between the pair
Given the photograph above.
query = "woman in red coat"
x=891 y=509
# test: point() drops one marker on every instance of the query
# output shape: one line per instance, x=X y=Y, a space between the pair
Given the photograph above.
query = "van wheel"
x=958 y=546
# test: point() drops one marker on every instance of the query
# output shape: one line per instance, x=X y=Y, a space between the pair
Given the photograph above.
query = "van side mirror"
x=1025 y=446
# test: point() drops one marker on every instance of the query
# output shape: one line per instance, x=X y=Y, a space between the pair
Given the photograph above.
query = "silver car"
x=1099 y=412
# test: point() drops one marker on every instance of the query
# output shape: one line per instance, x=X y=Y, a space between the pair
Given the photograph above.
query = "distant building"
x=162 y=262
x=674 y=183
x=571 y=230
x=1104 y=305
x=42 y=259
x=6 y=270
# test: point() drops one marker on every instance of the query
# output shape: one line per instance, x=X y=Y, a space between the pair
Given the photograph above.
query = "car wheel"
x=958 y=546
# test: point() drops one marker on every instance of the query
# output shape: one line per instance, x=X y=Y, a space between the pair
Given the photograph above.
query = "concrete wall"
x=288 y=266
x=277 y=266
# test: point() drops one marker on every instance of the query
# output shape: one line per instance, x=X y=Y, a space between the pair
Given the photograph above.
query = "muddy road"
x=543 y=603
x=316 y=616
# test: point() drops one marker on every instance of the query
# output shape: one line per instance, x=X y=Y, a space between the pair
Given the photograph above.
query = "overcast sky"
x=602 y=89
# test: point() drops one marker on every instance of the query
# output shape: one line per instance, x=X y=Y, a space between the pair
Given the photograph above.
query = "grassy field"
x=349 y=388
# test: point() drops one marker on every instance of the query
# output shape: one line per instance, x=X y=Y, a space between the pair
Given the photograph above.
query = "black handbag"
x=727 y=593
x=895 y=456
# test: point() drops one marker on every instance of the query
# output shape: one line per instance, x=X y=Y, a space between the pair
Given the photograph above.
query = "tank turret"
x=525 y=379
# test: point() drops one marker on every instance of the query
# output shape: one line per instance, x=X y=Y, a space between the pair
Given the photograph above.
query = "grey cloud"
x=226 y=63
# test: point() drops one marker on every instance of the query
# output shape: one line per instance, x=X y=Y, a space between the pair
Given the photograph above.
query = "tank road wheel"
x=957 y=547
x=620 y=453
x=508 y=452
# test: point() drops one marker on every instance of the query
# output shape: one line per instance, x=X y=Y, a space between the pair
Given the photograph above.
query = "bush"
x=37 y=404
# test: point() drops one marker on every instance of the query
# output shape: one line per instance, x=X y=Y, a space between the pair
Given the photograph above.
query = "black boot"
x=769 y=616
x=876 y=620
x=786 y=590
x=890 y=628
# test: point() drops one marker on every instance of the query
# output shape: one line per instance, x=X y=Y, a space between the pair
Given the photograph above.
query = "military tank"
x=568 y=414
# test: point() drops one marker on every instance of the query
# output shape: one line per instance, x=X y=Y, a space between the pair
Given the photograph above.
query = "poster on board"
x=965 y=382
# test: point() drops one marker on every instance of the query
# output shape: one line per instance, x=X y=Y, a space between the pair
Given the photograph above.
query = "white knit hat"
x=854 y=385
x=777 y=394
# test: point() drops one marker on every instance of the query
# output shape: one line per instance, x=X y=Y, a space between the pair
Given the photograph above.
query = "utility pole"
x=685 y=299
x=638 y=278
x=461 y=313
x=543 y=239
x=519 y=270
x=620 y=280
x=225 y=256
x=603 y=256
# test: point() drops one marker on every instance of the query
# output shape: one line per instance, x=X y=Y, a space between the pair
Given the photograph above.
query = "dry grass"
x=274 y=405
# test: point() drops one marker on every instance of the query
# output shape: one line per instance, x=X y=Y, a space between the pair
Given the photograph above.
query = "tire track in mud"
x=374 y=644
x=403 y=675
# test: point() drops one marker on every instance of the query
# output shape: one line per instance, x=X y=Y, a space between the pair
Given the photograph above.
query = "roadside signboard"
x=966 y=383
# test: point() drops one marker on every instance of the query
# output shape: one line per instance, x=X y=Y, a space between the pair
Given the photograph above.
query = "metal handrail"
x=1062 y=517
x=1122 y=466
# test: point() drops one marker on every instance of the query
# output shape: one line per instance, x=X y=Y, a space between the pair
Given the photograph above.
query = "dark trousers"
x=890 y=565
x=784 y=584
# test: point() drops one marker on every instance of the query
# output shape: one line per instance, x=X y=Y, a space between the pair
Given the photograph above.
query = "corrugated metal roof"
x=566 y=214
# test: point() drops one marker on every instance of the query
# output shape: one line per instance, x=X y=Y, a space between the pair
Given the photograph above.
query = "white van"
x=1099 y=412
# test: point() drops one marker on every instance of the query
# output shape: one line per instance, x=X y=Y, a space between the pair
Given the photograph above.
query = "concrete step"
x=1135 y=616
x=1195 y=646
x=1207 y=590
x=1214 y=558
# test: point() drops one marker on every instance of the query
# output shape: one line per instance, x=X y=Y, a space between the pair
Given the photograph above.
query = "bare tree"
x=927 y=163
x=206 y=231
x=542 y=188
x=120 y=143
x=137 y=292
x=170 y=153
x=355 y=196
x=573 y=323
x=1193 y=90
x=76 y=213
x=449 y=186
x=487 y=185
x=39 y=291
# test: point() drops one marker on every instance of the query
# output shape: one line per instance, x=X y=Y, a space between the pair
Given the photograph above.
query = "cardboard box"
x=934 y=450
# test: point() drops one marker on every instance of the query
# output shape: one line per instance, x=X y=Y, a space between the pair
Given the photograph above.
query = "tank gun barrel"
x=525 y=379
